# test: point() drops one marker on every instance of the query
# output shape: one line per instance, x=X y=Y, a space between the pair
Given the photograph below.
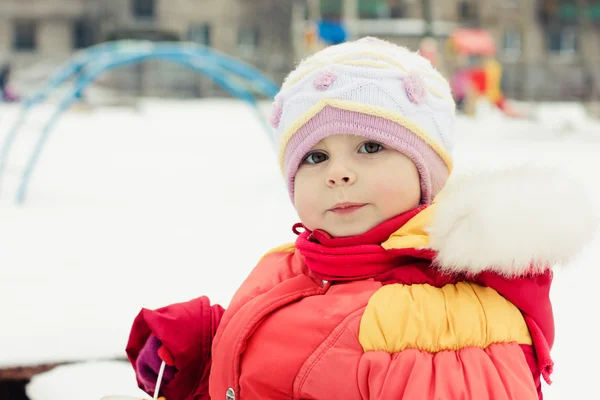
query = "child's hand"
x=180 y=335
x=149 y=361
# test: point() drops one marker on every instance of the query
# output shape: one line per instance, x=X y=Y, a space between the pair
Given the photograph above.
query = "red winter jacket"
x=286 y=286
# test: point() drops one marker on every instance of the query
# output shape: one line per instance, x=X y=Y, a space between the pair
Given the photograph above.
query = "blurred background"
x=134 y=141
x=549 y=49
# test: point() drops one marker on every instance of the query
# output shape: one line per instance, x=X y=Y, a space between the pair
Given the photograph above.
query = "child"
x=384 y=295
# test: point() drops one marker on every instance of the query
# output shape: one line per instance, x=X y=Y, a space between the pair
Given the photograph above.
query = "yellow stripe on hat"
x=364 y=109
x=377 y=56
x=382 y=65
x=379 y=59
x=367 y=63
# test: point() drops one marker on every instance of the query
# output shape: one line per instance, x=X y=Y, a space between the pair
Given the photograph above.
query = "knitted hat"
x=374 y=89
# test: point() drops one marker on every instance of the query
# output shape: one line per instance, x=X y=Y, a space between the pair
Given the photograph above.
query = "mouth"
x=346 y=208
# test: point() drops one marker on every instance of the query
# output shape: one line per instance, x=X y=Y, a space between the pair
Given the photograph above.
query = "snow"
x=143 y=208
x=90 y=380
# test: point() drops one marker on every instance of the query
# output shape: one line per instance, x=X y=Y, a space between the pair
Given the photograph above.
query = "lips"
x=346 y=208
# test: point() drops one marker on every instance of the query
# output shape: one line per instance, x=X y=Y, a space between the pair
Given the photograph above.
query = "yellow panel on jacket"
x=424 y=317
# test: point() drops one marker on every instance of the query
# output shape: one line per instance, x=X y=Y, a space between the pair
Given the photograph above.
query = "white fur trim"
x=510 y=221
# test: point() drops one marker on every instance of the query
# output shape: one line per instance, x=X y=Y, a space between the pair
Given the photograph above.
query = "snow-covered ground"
x=131 y=209
x=87 y=380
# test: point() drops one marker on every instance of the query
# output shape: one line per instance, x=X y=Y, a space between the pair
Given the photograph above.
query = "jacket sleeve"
x=186 y=330
x=531 y=295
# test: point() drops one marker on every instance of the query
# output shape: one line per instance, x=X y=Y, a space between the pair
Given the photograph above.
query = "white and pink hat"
x=371 y=88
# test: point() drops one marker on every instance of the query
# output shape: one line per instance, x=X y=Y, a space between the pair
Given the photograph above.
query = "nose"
x=339 y=174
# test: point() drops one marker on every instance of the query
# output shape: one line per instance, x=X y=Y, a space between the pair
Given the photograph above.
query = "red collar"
x=356 y=257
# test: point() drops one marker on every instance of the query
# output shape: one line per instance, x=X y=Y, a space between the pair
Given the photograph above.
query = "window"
x=467 y=12
x=144 y=9
x=248 y=39
x=373 y=9
x=25 y=36
x=558 y=12
x=199 y=33
x=511 y=43
x=562 y=42
x=331 y=9
x=594 y=13
x=83 y=34
x=153 y=35
x=397 y=9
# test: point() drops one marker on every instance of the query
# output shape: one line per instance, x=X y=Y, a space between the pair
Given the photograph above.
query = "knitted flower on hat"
x=374 y=89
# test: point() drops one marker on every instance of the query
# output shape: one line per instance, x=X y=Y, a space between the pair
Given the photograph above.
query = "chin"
x=351 y=230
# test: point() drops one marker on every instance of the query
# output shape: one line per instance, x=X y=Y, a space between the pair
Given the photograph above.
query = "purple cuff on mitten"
x=148 y=365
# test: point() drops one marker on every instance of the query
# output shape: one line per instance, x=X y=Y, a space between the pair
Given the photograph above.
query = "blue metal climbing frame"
x=239 y=79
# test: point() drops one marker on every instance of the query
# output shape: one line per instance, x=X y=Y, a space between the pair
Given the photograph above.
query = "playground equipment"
x=466 y=51
x=477 y=73
x=471 y=42
x=240 y=80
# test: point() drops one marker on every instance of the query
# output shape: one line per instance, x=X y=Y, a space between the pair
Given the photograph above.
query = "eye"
x=315 y=158
x=370 y=148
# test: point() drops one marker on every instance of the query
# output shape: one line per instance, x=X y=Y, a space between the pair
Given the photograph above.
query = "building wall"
x=55 y=37
x=55 y=20
x=221 y=16
x=274 y=53
x=445 y=10
x=536 y=72
x=529 y=72
x=53 y=32
x=177 y=16
x=42 y=9
x=5 y=35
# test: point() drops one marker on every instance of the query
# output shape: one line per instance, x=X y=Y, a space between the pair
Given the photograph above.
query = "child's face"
x=376 y=183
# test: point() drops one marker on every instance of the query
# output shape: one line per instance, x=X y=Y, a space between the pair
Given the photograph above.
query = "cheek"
x=306 y=204
x=397 y=193
x=388 y=193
